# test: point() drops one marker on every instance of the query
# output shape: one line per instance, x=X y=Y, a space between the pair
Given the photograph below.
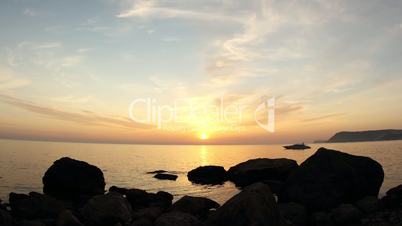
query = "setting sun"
x=203 y=136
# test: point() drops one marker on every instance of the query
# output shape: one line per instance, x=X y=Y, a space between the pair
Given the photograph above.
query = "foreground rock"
x=255 y=205
x=71 y=179
x=177 y=219
x=293 y=213
x=393 y=198
x=257 y=170
x=207 y=175
x=329 y=178
x=196 y=206
x=165 y=176
x=108 y=209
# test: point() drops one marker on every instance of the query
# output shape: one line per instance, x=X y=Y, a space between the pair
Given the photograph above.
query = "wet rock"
x=255 y=205
x=108 y=209
x=393 y=197
x=329 y=178
x=369 y=204
x=261 y=169
x=67 y=218
x=5 y=218
x=197 y=206
x=71 y=179
x=207 y=175
x=345 y=213
x=165 y=176
x=176 y=219
x=293 y=213
x=35 y=205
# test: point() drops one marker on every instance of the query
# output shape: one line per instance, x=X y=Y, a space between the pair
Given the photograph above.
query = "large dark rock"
x=177 y=219
x=255 y=205
x=369 y=204
x=108 y=209
x=293 y=213
x=197 y=206
x=5 y=218
x=34 y=205
x=261 y=169
x=67 y=218
x=207 y=175
x=329 y=178
x=72 y=179
x=345 y=213
x=393 y=197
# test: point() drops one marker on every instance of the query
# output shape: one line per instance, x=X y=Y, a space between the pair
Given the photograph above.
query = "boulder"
x=142 y=222
x=261 y=169
x=197 y=206
x=177 y=219
x=5 y=218
x=207 y=175
x=30 y=223
x=393 y=197
x=160 y=199
x=165 y=176
x=71 y=179
x=369 y=204
x=320 y=218
x=67 y=218
x=329 y=178
x=150 y=213
x=293 y=213
x=108 y=209
x=345 y=213
x=255 y=205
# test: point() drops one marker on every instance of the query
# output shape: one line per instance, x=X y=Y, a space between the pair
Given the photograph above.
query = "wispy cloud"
x=8 y=81
x=83 y=117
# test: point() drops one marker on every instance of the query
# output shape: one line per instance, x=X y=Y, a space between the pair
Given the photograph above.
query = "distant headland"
x=361 y=136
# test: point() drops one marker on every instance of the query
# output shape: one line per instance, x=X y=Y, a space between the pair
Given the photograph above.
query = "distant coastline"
x=364 y=136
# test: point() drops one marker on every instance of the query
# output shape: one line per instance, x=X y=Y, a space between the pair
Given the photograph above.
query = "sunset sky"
x=69 y=70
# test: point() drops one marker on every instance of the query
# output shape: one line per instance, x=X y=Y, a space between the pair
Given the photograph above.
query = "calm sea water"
x=23 y=163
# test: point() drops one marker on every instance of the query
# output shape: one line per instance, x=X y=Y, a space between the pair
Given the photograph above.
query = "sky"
x=198 y=72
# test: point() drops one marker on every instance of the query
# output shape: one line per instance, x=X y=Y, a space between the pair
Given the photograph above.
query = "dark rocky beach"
x=329 y=188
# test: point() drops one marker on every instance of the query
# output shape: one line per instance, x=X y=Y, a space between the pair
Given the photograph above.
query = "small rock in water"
x=165 y=176
x=157 y=171
x=207 y=175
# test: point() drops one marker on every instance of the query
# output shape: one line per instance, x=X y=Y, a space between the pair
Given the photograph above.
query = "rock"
x=329 y=178
x=35 y=205
x=141 y=222
x=275 y=185
x=320 y=218
x=30 y=223
x=71 y=179
x=165 y=176
x=386 y=217
x=141 y=199
x=197 y=206
x=150 y=213
x=67 y=218
x=345 y=213
x=108 y=209
x=177 y=219
x=5 y=218
x=293 y=213
x=122 y=191
x=137 y=198
x=261 y=169
x=207 y=175
x=160 y=199
x=255 y=205
x=393 y=197
x=157 y=171
x=369 y=204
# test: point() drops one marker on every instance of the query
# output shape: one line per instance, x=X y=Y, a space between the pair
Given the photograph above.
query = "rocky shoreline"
x=329 y=188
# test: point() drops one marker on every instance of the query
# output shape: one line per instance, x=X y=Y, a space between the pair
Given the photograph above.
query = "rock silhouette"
x=71 y=179
x=207 y=175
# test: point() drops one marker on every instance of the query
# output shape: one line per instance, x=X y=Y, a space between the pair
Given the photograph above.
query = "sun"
x=203 y=136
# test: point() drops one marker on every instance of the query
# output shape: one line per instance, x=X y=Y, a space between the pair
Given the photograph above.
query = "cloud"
x=83 y=117
x=151 y=9
x=29 y=12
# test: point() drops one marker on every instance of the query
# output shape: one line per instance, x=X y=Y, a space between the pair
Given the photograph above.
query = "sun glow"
x=203 y=136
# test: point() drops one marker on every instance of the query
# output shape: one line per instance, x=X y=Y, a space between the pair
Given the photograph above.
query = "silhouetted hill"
x=371 y=135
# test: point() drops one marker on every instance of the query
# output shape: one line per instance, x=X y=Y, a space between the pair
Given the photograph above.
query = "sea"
x=23 y=163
